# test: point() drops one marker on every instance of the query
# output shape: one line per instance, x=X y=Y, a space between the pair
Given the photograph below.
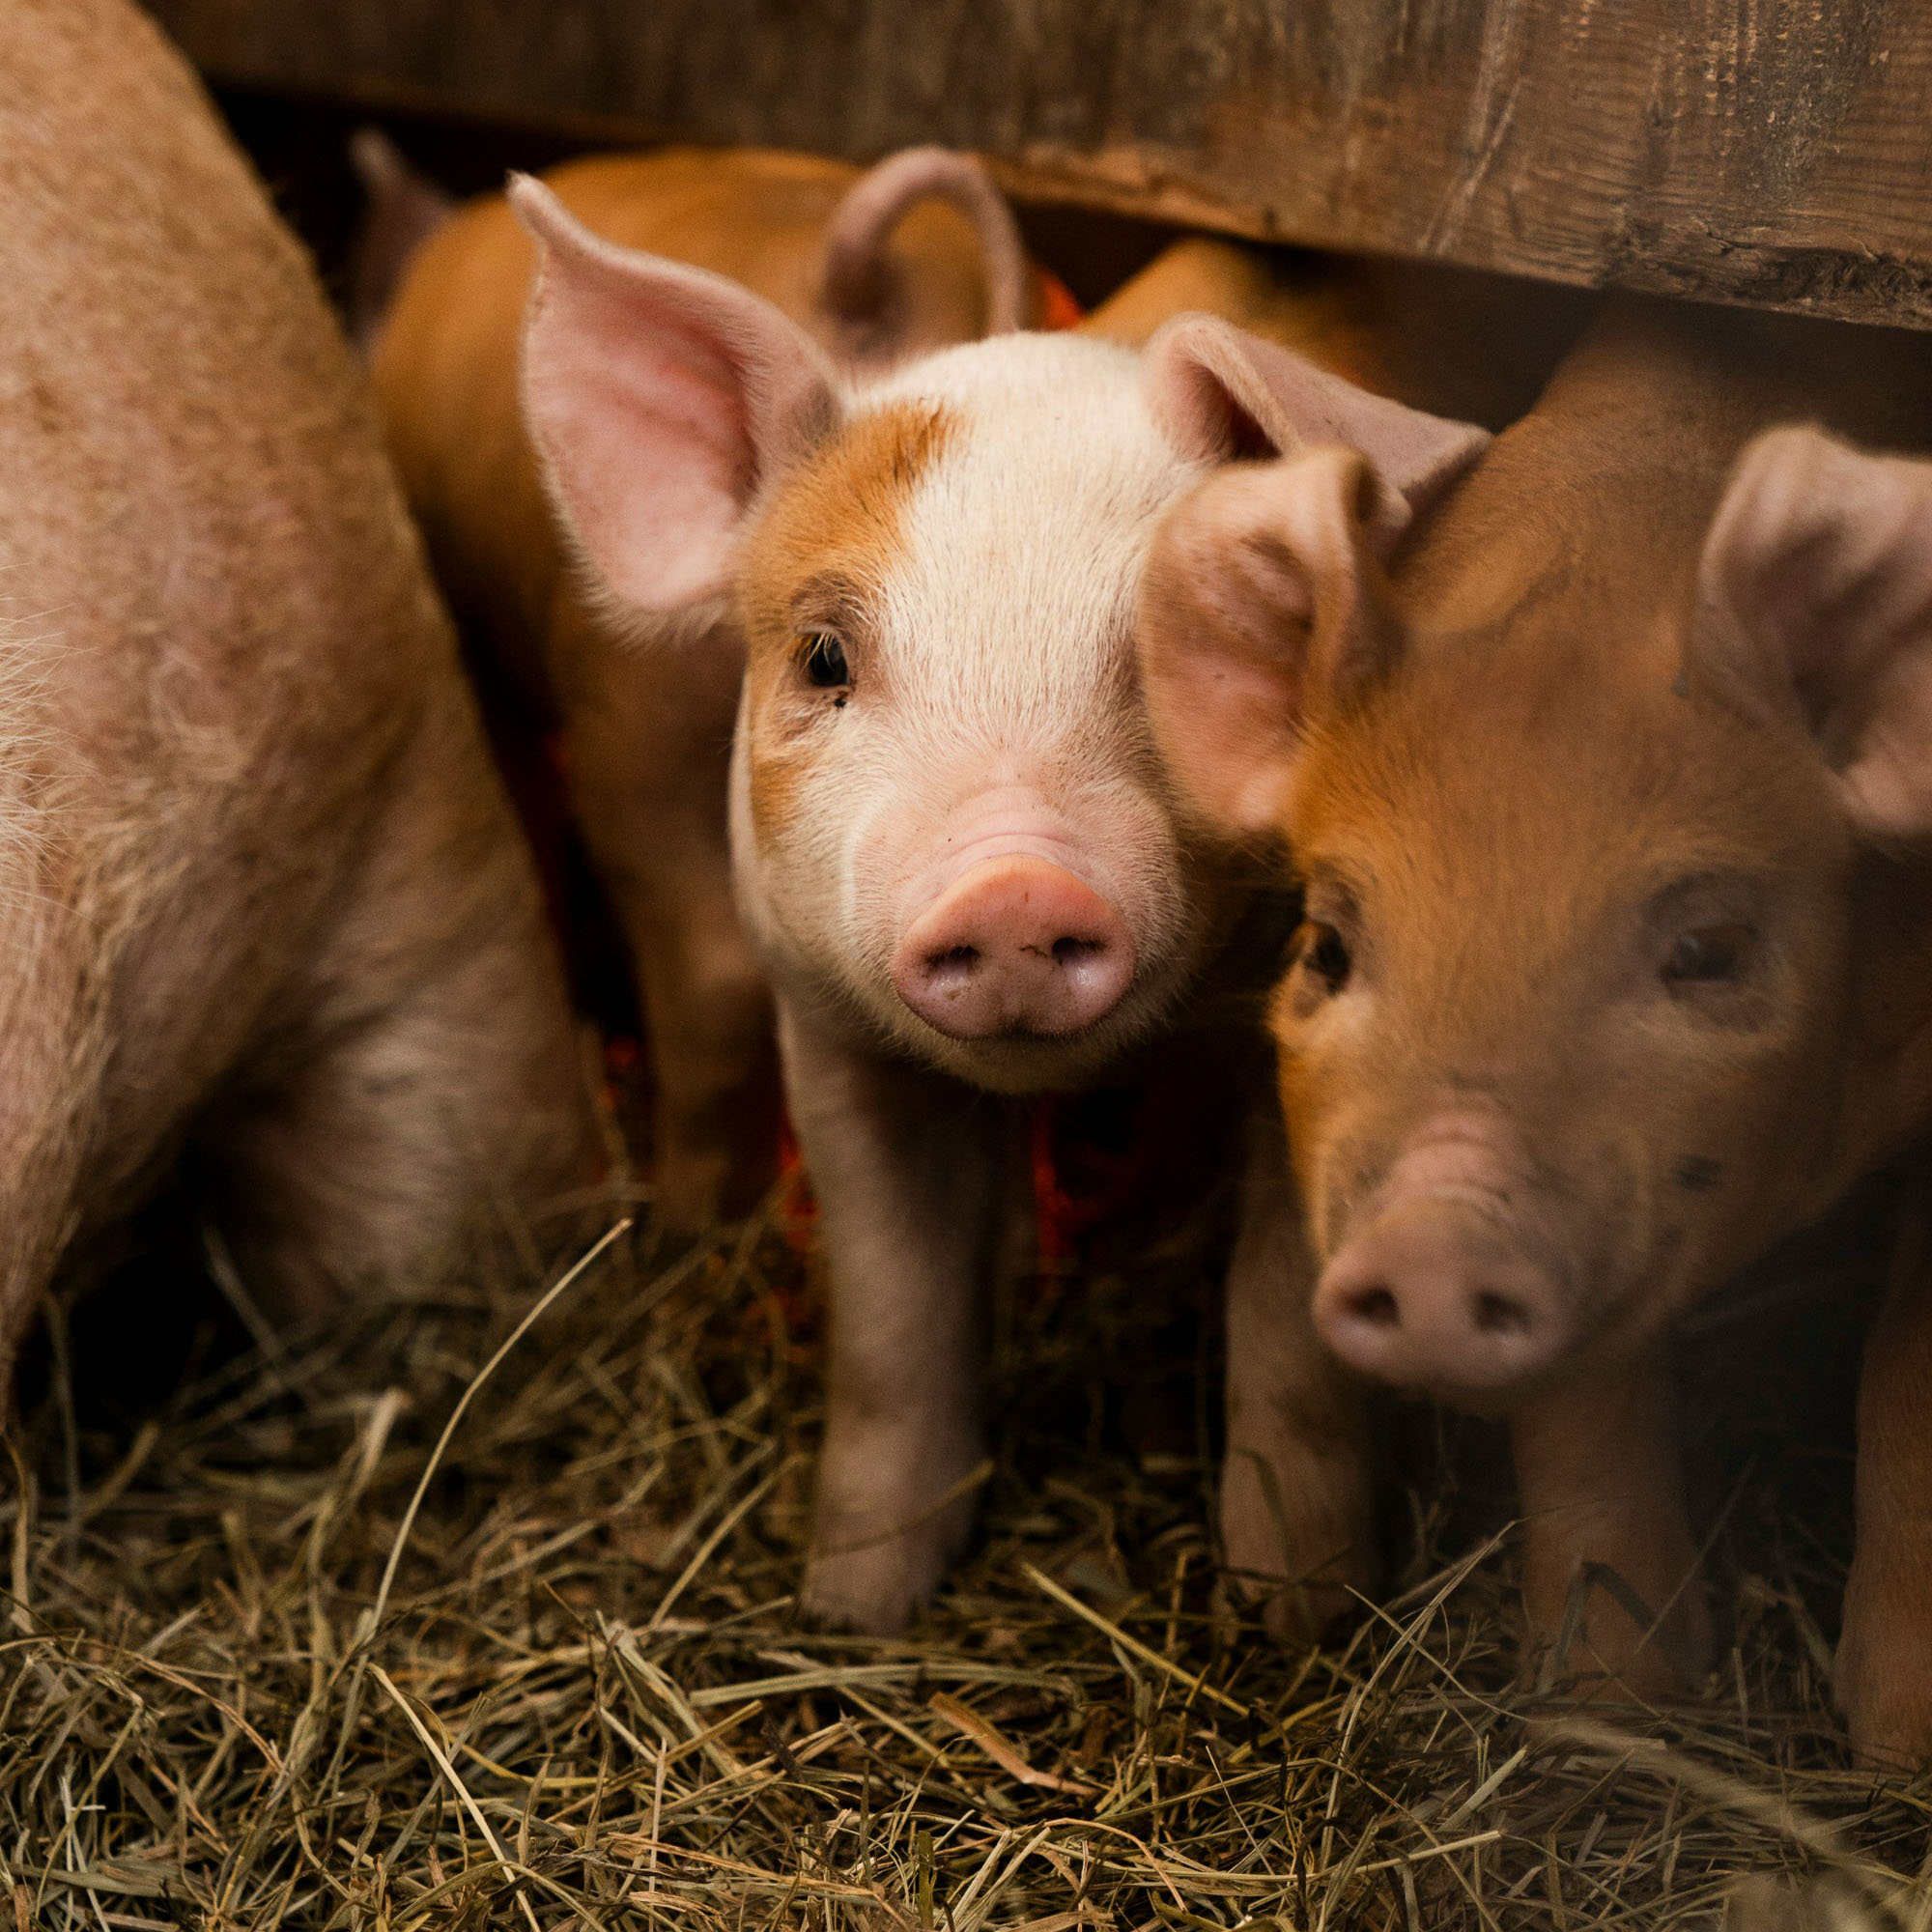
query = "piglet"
x=1612 y=807
x=264 y=909
x=954 y=850
x=919 y=252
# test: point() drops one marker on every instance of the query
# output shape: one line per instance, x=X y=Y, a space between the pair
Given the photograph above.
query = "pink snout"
x=1432 y=1296
x=1016 y=945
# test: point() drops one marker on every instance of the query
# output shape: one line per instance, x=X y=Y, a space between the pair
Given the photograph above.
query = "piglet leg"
x=54 y=1047
x=1297 y=1512
x=1884 y=1673
x=432 y=1060
x=649 y=736
x=907 y=1169
x=1601 y=1478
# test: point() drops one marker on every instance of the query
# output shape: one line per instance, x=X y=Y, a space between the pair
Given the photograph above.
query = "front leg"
x=907 y=1168
x=1884 y=1673
x=1297 y=1505
x=1601 y=1478
x=648 y=733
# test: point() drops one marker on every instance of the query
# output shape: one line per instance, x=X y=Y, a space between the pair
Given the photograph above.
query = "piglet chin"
x=1016 y=945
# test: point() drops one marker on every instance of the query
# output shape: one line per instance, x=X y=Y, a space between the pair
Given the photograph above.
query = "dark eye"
x=1710 y=954
x=1324 y=955
x=823 y=657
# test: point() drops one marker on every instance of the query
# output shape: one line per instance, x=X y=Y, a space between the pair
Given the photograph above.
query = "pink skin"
x=1439 y=1287
x=1007 y=931
x=1018 y=945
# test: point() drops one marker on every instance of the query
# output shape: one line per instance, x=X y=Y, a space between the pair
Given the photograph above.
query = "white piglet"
x=954 y=845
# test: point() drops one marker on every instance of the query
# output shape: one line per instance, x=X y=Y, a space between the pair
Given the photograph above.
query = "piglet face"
x=1562 y=1033
x=1591 y=1002
x=949 y=819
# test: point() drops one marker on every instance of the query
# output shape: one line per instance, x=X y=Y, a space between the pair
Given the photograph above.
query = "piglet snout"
x=1016 y=945
x=1429 y=1296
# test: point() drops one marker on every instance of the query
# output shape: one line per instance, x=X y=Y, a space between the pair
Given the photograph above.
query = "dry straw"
x=465 y=1613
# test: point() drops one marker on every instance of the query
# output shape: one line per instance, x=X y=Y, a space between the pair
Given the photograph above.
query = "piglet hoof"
x=1305 y=1556
x=1301 y=1612
x=1889 y=1725
x=876 y=1589
x=1881 y=1679
x=1602 y=1641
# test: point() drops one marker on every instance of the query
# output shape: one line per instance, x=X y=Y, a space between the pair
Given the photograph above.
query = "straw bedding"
x=244 y=1684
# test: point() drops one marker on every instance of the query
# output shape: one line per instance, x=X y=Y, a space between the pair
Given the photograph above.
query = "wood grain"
x=1769 y=152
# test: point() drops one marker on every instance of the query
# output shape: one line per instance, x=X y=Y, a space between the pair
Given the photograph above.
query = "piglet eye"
x=1709 y=955
x=1325 y=956
x=823 y=657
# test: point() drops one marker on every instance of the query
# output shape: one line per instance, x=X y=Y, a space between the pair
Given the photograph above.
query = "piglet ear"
x=1219 y=393
x=1816 y=593
x=1262 y=600
x=664 y=400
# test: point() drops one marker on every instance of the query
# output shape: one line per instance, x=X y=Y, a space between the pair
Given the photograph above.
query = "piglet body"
x=264 y=903
x=1610 y=805
x=955 y=852
x=919 y=252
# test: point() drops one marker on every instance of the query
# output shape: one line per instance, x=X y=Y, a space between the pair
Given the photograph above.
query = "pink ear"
x=664 y=400
x=1816 y=593
x=1260 y=600
x=1220 y=393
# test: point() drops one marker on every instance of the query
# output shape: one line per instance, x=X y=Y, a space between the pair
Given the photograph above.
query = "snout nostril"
x=1377 y=1307
x=1498 y=1315
x=1016 y=946
x=954 y=962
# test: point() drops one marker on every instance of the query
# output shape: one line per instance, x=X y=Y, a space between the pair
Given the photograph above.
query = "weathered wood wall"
x=1772 y=152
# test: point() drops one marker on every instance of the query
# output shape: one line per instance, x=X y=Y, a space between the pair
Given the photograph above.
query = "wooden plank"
x=1769 y=152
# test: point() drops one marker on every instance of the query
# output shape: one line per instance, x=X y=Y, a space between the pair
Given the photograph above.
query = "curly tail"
x=856 y=281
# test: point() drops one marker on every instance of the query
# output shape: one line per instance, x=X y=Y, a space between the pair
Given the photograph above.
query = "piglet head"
x=950 y=827
x=1579 y=816
x=976 y=794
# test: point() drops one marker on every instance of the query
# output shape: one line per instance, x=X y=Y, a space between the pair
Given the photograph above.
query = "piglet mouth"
x=1015 y=945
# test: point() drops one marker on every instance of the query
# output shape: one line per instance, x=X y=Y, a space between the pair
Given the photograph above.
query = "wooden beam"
x=1768 y=151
